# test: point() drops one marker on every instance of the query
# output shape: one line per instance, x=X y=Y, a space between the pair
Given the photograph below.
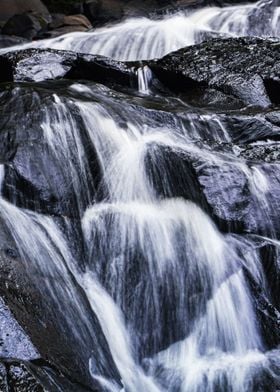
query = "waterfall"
x=142 y=284
x=144 y=79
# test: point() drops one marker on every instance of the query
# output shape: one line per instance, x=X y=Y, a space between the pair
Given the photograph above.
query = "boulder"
x=9 y=8
x=26 y=25
x=37 y=65
x=104 y=11
x=246 y=68
x=64 y=24
x=35 y=175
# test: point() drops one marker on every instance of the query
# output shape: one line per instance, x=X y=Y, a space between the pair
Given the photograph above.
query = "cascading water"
x=144 y=38
x=158 y=298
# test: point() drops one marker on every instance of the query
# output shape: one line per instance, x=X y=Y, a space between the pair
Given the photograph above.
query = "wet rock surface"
x=30 y=300
x=38 y=65
x=246 y=68
x=232 y=72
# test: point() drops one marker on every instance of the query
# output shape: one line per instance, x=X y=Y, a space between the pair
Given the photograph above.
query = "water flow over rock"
x=135 y=227
x=143 y=38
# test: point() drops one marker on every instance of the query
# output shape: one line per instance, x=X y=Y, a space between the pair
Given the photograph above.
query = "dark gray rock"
x=265 y=152
x=3 y=378
x=236 y=199
x=267 y=315
x=20 y=379
x=36 y=176
x=247 y=68
x=100 y=12
x=25 y=25
x=38 y=65
x=9 y=8
x=227 y=73
x=34 y=292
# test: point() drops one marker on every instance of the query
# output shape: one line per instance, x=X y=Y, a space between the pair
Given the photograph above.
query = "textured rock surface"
x=246 y=68
x=38 y=65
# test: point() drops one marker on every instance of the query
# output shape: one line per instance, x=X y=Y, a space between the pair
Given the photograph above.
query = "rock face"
x=248 y=69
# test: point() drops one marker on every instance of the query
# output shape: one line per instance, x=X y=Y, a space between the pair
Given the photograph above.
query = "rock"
x=60 y=20
x=104 y=11
x=240 y=195
x=38 y=65
x=66 y=24
x=267 y=315
x=270 y=259
x=64 y=6
x=252 y=127
x=209 y=74
x=9 y=8
x=20 y=380
x=25 y=25
x=246 y=68
x=180 y=180
x=30 y=290
x=76 y=20
x=14 y=343
x=3 y=378
x=269 y=152
x=35 y=175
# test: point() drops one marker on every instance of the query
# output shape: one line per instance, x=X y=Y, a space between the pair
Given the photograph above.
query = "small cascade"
x=144 y=79
x=143 y=38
